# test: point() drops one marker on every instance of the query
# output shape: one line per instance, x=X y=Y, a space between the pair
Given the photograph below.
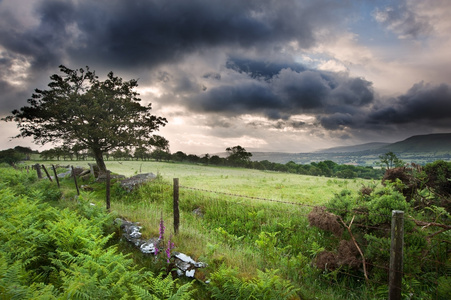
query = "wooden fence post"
x=38 y=170
x=47 y=173
x=396 y=255
x=56 y=176
x=176 y=206
x=75 y=180
x=107 y=190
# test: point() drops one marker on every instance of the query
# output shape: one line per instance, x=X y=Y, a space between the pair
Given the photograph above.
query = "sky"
x=268 y=75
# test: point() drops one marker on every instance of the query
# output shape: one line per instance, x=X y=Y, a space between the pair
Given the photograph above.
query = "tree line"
x=237 y=156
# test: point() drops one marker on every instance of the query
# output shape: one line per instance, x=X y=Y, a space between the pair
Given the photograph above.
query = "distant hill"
x=419 y=149
x=355 y=148
x=440 y=142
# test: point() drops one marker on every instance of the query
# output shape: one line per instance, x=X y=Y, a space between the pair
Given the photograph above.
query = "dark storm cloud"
x=238 y=99
x=423 y=103
x=260 y=69
x=279 y=91
x=337 y=121
x=10 y=95
x=44 y=43
x=150 y=33
x=123 y=35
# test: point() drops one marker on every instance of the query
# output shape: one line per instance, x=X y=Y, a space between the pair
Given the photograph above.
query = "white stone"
x=185 y=258
x=148 y=248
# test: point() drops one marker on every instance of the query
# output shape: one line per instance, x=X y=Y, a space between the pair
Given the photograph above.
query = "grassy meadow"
x=251 y=227
x=303 y=189
x=236 y=230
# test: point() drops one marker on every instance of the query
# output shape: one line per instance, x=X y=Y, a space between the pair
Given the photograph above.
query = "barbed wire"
x=248 y=197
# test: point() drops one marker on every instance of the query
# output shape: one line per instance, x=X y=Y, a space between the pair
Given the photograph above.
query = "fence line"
x=284 y=202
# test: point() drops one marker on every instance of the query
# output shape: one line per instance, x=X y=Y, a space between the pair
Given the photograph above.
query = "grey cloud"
x=44 y=43
x=336 y=121
x=150 y=33
x=279 y=91
x=260 y=69
x=146 y=34
x=250 y=97
x=9 y=97
x=423 y=103
x=212 y=75
x=402 y=21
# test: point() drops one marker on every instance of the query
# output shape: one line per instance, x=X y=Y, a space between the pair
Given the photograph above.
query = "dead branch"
x=358 y=248
x=429 y=224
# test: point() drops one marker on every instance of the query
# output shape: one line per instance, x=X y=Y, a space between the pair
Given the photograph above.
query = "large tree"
x=238 y=156
x=78 y=108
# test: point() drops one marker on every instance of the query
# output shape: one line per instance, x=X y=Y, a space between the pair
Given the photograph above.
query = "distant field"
x=246 y=182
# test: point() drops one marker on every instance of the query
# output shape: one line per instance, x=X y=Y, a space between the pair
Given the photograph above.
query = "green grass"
x=309 y=190
x=236 y=230
x=240 y=227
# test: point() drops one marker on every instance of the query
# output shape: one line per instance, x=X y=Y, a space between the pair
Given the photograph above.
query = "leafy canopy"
x=78 y=108
x=238 y=156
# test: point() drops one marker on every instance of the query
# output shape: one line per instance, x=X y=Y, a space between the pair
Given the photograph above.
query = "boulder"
x=131 y=183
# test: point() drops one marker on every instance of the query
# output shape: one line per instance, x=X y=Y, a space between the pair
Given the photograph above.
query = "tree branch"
x=358 y=248
x=429 y=224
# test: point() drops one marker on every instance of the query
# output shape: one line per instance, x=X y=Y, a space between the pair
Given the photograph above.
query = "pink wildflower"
x=161 y=227
x=170 y=247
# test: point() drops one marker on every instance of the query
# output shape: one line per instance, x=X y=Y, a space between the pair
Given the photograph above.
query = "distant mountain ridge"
x=418 y=149
x=418 y=143
x=354 y=148
x=440 y=142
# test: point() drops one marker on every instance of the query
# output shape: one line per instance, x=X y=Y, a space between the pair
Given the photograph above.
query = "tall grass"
x=248 y=182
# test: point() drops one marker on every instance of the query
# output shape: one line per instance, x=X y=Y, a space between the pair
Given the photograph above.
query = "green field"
x=252 y=229
x=303 y=189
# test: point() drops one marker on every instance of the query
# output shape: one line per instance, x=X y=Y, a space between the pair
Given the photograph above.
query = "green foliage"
x=11 y=156
x=382 y=204
x=439 y=180
x=12 y=178
x=371 y=228
x=46 y=253
x=444 y=287
x=269 y=247
x=342 y=203
x=238 y=156
x=226 y=284
x=390 y=160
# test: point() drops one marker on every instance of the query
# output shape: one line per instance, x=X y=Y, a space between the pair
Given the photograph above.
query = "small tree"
x=78 y=108
x=390 y=160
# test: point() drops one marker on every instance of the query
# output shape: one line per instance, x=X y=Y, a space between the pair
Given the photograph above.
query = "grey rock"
x=131 y=183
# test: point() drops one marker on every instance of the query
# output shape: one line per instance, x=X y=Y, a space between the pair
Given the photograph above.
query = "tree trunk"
x=98 y=155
